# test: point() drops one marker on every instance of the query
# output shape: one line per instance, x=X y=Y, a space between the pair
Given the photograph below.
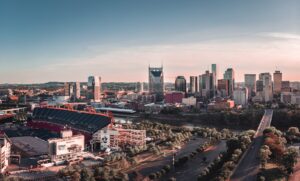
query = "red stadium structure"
x=80 y=122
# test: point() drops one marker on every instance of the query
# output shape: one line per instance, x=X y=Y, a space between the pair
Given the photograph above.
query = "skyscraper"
x=250 y=84
x=240 y=96
x=206 y=84
x=180 y=84
x=94 y=88
x=72 y=89
x=266 y=79
x=223 y=87
x=277 y=81
x=156 y=82
x=193 y=84
x=214 y=71
x=229 y=75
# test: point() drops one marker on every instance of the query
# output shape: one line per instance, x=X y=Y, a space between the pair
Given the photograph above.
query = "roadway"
x=248 y=167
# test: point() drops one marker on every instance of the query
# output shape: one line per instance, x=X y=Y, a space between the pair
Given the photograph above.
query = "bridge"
x=248 y=167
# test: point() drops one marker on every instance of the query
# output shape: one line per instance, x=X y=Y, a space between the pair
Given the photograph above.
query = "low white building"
x=190 y=101
x=67 y=148
x=5 y=148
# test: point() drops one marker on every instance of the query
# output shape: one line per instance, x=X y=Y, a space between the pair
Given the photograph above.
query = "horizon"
x=70 y=40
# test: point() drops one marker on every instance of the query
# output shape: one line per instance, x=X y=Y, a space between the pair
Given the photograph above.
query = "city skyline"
x=63 y=41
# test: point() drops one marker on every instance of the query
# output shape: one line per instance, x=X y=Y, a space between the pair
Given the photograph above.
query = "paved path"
x=248 y=166
x=194 y=167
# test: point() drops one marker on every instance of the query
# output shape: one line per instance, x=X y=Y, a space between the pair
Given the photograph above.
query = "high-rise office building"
x=214 y=71
x=156 y=82
x=72 y=89
x=250 y=84
x=223 y=87
x=266 y=78
x=285 y=86
x=277 y=81
x=229 y=75
x=240 y=96
x=94 y=88
x=193 y=84
x=259 y=86
x=206 y=84
x=180 y=84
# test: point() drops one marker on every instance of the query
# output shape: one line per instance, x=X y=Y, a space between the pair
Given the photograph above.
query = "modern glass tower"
x=180 y=84
x=94 y=88
x=156 y=82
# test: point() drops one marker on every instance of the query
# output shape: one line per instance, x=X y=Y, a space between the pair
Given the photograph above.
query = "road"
x=194 y=167
x=248 y=167
x=148 y=167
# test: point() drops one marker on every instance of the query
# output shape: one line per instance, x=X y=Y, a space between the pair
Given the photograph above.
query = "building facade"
x=67 y=148
x=94 y=88
x=277 y=82
x=193 y=84
x=156 y=82
x=250 y=84
x=223 y=88
x=230 y=75
x=5 y=149
x=267 y=93
x=174 y=97
x=240 y=96
x=180 y=84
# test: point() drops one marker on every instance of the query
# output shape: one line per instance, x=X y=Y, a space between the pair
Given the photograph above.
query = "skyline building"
x=206 y=84
x=240 y=96
x=180 y=84
x=266 y=79
x=277 y=81
x=285 y=86
x=229 y=75
x=94 y=88
x=214 y=71
x=223 y=87
x=193 y=84
x=250 y=84
x=156 y=82
x=72 y=89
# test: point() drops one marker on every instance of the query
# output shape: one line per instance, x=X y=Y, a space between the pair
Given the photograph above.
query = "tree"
x=85 y=175
x=232 y=144
x=76 y=176
x=289 y=159
x=264 y=155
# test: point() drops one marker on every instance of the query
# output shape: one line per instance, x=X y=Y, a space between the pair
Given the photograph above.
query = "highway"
x=248 y=167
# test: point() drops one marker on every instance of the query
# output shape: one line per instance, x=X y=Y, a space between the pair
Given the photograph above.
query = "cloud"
x=284 y=36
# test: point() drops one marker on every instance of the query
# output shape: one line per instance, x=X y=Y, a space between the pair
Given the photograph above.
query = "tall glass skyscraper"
x=156 y=82
x=229 y=75
x=180 y=84
x=94 y=88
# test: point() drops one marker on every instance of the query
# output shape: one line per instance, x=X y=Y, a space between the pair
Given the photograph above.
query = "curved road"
x=248 y=166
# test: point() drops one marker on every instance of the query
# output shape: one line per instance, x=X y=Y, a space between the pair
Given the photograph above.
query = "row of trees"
x=76 y=173
x=206 y=132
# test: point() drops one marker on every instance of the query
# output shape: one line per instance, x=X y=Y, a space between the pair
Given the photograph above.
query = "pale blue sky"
x=68 y=40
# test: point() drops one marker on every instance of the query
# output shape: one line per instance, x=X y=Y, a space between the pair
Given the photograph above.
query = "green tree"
x=289 y=159
x=264 y=155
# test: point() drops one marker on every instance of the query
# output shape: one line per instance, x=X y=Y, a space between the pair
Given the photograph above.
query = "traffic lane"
x=248 y=167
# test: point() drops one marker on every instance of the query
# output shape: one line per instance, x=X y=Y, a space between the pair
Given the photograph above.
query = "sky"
x=69 y=40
